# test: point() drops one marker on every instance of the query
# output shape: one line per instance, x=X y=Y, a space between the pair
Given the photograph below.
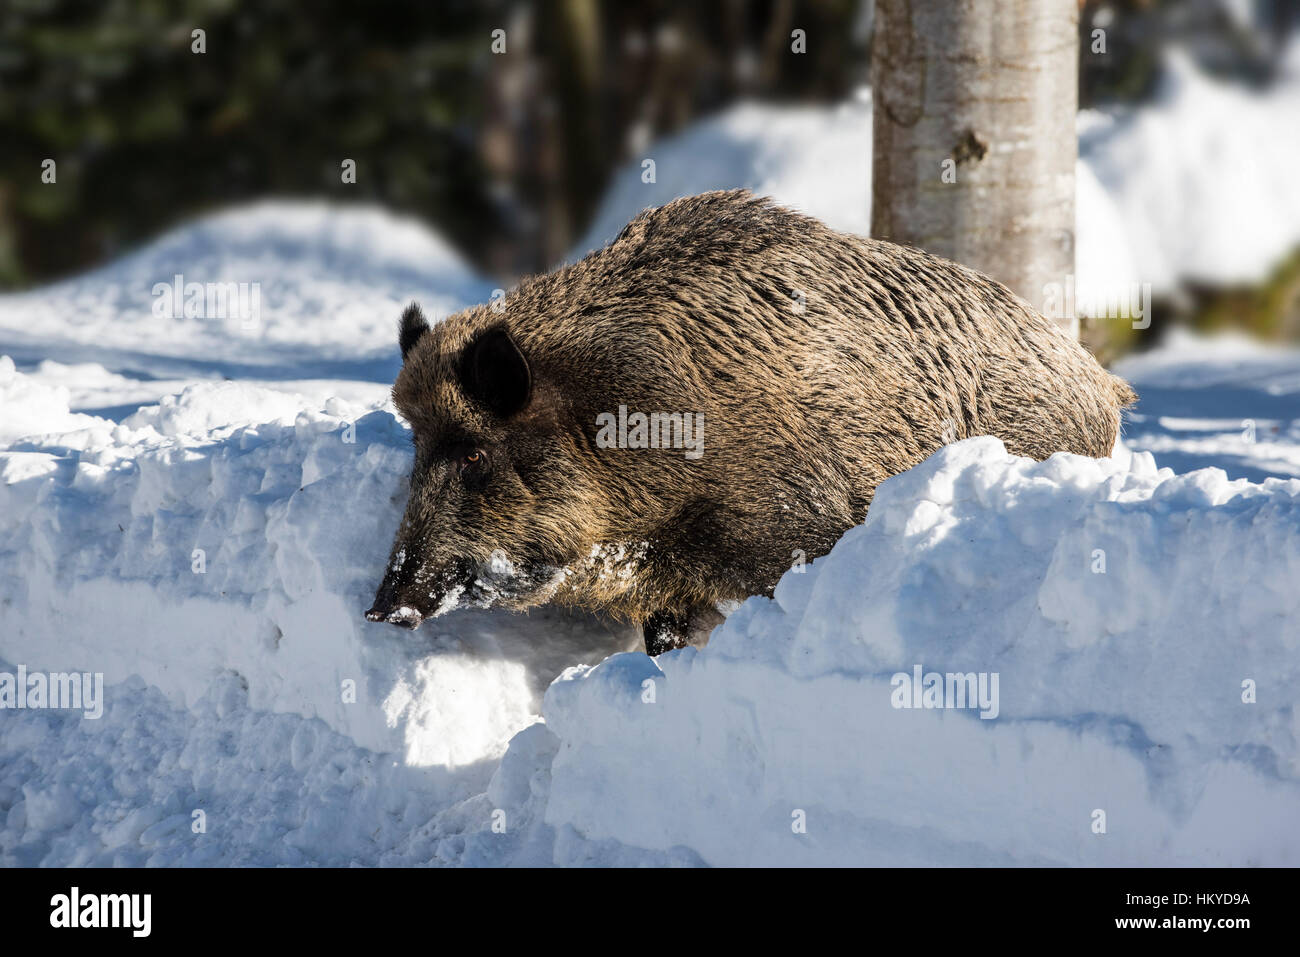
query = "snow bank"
x=245 y=683
x=232 y=530
x=1197 y=185
x=210 y=556
x=321 y=286
x=1121 y=684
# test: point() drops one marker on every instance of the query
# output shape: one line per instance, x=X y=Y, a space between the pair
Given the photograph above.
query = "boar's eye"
x=472 y=461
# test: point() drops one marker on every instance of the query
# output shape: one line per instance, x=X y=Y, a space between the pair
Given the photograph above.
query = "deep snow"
x=129 y=440
x=1120 y=689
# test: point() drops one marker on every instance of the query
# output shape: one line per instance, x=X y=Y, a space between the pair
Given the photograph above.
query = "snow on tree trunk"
x=974 y=137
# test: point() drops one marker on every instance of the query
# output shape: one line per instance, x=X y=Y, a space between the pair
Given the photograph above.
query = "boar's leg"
x=664 y=631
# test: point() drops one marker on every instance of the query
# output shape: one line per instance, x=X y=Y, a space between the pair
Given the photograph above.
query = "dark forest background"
x=506 y=155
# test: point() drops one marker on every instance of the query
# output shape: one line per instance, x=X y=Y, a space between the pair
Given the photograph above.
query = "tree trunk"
x=974 y=139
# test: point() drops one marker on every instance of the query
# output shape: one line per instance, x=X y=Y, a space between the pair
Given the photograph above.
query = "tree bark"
x=974 y=141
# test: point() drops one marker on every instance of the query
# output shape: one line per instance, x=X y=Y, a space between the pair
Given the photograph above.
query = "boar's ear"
x=413 y=326
x=495 y=372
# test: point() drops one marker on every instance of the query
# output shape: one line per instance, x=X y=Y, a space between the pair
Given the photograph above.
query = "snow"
x=1204 y=179
x=1225 y=402
x=1119 y=690
x=199 y=509
x=329 y=283
x=216 y=661
x=816 y=160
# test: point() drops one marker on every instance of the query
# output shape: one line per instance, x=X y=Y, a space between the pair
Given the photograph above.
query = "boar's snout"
x=404 y=616
x=388 y=607
x=409 y=593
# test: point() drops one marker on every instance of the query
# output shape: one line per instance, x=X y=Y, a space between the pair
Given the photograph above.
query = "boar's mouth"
x=406 y=598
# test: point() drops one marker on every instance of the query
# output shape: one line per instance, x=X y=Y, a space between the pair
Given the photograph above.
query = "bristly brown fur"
x=823 y=363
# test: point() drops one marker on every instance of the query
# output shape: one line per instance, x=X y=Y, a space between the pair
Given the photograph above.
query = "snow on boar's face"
x=495 y=506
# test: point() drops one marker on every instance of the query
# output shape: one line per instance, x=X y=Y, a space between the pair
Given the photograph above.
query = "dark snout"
x=404 y=616
x=410 y=593
x=394 y=602
x=389 y=607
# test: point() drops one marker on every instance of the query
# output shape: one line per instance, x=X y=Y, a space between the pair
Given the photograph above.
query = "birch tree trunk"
x=974 y=139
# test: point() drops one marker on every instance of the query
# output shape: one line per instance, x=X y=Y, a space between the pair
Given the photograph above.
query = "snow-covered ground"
x=199 y=509
x=1226 y=402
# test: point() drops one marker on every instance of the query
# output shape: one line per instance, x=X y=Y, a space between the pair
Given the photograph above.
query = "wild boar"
x=672 y=422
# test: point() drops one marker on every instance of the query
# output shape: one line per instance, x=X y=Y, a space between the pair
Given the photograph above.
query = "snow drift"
x=322 y=285
x=231 y=530
x=210 y=556
x=1121 y=689
x=1123 y=609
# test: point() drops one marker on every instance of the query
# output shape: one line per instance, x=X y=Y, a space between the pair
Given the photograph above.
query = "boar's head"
x=496 y=503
